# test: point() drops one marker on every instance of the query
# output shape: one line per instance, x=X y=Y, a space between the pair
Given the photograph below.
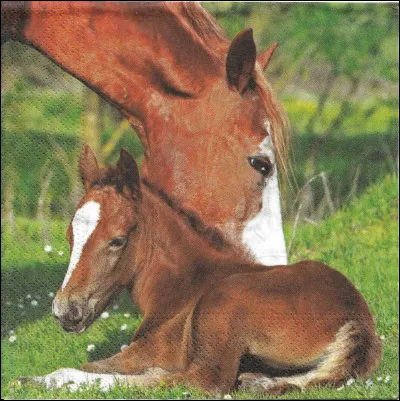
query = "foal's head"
x=105 y=220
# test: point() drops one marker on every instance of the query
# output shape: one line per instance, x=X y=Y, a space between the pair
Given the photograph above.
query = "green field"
x=361 y=240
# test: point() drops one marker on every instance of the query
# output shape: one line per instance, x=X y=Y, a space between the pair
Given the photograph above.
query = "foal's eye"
x=117 y=242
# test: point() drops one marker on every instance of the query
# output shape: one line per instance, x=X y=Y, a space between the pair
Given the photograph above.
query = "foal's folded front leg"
x=132 y=360
x=74 y=379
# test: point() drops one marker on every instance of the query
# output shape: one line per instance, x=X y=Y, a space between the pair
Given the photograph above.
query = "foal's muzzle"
x=73 y=315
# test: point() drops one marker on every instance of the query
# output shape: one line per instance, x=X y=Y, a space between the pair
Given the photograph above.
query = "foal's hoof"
x=19 y=381
x=262 y=384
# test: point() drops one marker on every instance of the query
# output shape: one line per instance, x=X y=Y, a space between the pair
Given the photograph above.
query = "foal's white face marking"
x=84 y=223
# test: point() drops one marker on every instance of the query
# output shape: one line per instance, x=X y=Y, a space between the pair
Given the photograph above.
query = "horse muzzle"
x=74 y=316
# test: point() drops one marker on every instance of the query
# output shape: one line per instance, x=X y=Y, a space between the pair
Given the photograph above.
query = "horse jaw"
x=263 y=235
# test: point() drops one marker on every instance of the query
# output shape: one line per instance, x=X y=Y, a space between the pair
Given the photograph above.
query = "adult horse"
x=199 y=104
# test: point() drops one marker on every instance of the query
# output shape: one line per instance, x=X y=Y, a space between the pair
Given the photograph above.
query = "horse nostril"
x=74 y=313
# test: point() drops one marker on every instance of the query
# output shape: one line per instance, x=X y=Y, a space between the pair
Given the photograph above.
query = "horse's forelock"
x=280 y=126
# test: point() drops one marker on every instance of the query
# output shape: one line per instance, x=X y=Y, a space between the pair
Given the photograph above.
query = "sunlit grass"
x=360 y=241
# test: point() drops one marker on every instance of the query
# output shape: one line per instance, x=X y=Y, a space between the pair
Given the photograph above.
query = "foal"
x=208 y=316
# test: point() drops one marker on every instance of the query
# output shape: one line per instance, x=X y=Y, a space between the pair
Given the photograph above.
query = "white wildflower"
x=105 y=315
x=124 y=327
x=29 y=296
x=90 y=347
x=115 y=307
x=387 y=379
x=123 y=346
x=340 y=388
x=11 y=332
x=20 y=306
x=127 y=314
x=34 y=302
x=12 y=338
x=227 y=397
x=61 y=253
x=382 y=337
x=369 y=383
x=379 y=379
x=48 y=248
x=50 y=294
x=350 y=381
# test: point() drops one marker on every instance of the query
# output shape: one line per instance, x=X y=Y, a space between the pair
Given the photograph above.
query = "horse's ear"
x=88 y=167
x=264 y=57
x=129 y=171
x=241 y=60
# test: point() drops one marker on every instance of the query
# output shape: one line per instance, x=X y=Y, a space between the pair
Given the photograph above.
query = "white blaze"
x=84 y=223
x=263 y=235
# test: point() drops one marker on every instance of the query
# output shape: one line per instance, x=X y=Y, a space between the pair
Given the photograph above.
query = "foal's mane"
x=212 y=235
x=111 y=176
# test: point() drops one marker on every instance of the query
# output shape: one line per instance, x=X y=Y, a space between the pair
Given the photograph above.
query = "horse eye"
x=262 y=164
x=117 y=242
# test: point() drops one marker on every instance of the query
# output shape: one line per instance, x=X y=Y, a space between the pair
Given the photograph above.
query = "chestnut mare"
x=199 y=103
x=207 y=316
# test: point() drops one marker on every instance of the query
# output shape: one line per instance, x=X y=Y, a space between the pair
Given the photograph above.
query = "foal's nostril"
x=74 y=313
x=67 y=312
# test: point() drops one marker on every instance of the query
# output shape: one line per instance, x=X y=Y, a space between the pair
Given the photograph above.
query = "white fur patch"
x=75 y=379
x=263 y=235
x=84 y=223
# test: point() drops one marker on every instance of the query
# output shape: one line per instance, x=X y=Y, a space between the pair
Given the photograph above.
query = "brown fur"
x=209 y=316
x=158 y=62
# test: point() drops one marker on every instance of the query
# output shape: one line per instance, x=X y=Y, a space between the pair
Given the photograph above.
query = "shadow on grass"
x=27 y=293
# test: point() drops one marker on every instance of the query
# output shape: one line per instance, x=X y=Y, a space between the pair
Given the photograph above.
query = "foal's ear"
x=88 y=167
x=241 y=60
x=129 y=171
x=265 y=57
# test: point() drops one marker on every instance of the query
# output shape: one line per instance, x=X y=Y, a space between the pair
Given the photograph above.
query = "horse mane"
x=211 y=234
x=201 y=21
x=280 y=127
x=111 y=176
x=207 y=28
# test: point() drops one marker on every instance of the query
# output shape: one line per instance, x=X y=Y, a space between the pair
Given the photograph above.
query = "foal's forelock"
x=84 y=223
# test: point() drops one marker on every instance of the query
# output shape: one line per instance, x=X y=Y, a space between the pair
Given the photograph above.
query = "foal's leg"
x=214 y=352
x=353 y=353
x=133 y=360
x=73 y=379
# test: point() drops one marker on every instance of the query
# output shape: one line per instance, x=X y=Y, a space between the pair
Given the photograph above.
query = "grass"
x=360 y=240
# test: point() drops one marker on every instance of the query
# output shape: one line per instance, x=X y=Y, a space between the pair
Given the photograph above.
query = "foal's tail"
x=356 y=352
x=367 y=352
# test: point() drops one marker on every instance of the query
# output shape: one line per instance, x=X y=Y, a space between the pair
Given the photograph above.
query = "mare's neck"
x=120 y=50
x=173 y=263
